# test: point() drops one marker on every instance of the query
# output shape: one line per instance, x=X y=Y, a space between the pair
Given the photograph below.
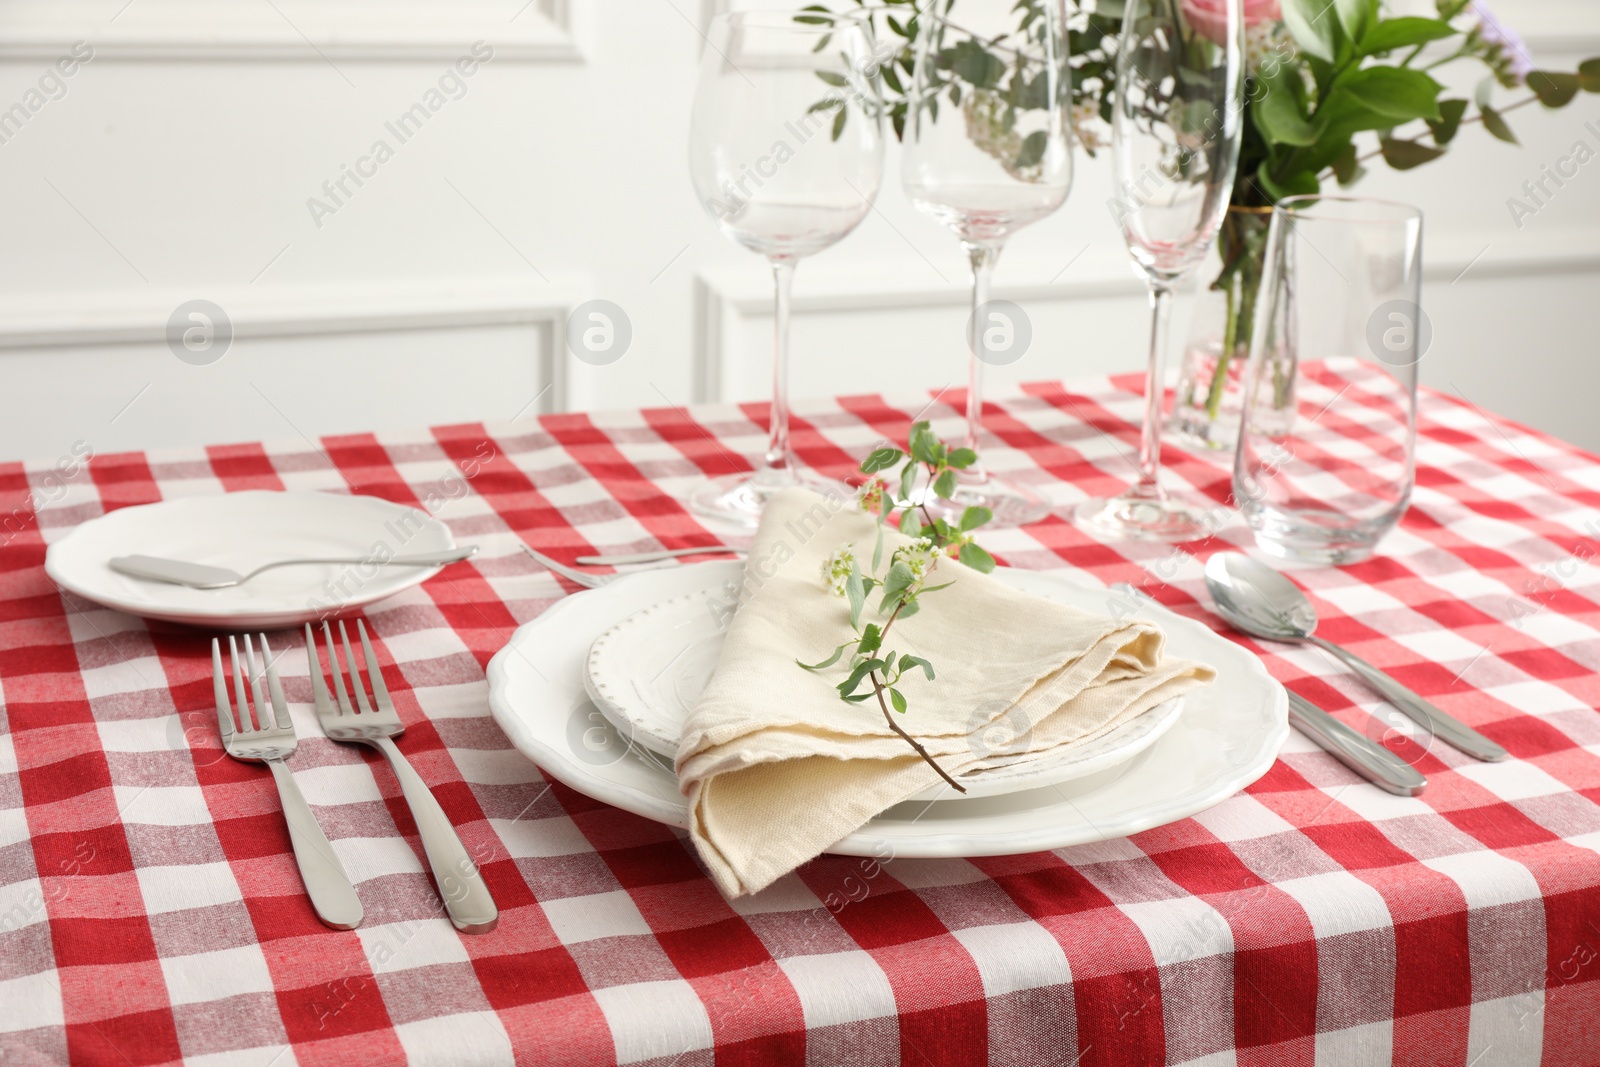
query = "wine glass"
x=786 y=155
x=988 y=151
x=1175 y=133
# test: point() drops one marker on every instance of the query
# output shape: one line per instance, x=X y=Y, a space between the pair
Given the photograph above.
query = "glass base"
x=1012 y=505
x=738 y=499
x=1324 y=539
x=1138 y=516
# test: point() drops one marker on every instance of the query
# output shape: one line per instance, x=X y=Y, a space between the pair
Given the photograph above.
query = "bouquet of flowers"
x=1332 y=86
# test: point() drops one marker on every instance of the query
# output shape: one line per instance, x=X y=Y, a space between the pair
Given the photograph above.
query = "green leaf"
x=1347 y=168
x=877 y=549
x=975 y=557
x=974 y=517
x=1314 y=27
x=830 y=661
x=1554 y=89
x=838 y=123
x=924 y=443
x=895 y=585
x=972 y=64
x=1403 y=155
x=910 y=523
x=908 y=478
x=857 y=594
x=1397 y=93
x=962 y=458
x=1278 y=112
x=897 y=700
x=1033 y=147
x=837 y=80
x=1589 y=75
x=1496 y=124
x=945 y=485
x=1302 y=182
x=871 y=639
x=1449 y=121
x=888 y=662
x=1391 y=34
x=907 y=662
x=1356 y=16
x=862 y=669
x=881 y=459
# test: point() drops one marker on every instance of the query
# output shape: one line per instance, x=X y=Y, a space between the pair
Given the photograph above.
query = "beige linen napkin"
x=777 y=768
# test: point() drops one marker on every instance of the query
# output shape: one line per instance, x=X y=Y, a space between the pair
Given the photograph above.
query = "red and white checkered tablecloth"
x=151 y=912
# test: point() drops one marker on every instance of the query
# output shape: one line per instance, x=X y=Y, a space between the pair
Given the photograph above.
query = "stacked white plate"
x=596 y=689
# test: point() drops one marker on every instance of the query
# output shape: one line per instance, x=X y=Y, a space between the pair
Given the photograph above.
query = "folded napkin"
x=777 y=768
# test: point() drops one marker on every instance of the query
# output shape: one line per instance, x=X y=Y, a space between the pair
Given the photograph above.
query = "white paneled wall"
x=205 y=152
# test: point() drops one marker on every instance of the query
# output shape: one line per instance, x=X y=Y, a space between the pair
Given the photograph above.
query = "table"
x=150 y=911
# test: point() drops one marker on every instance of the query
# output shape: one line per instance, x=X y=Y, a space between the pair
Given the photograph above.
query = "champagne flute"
x=786 y=155
x=988 y=150
x=1175 y=133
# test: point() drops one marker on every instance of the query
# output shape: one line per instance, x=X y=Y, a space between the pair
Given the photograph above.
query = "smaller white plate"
x=647 y=672
x=241 y=531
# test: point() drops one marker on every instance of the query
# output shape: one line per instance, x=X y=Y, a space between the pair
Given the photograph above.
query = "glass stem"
x=982 y=257
x=778 y=454
x=1149 y=485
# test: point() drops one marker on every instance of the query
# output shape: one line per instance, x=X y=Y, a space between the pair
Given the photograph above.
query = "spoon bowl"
x=1258 y=600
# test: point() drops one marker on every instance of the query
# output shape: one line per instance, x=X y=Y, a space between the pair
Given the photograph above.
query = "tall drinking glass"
x=1327 y=450
x=786 y=154
x=988 y=151
x=1175 y=133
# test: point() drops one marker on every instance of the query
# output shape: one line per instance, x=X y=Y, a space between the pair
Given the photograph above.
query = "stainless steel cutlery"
x=1361 y=754
x=374 y=722
x=270 y=739
x=628 y=558
x=204 y=576
x=1263 y=603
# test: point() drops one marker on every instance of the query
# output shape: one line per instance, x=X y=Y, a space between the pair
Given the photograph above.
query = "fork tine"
x=280 y=706
x=319 y=686
x=380 y=692
x=220 y=684
x=263 y=720
x=345 y=707
x=355 y=672
x=245 y=723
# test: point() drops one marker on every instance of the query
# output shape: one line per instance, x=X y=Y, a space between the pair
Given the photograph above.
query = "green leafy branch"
x=927 y=468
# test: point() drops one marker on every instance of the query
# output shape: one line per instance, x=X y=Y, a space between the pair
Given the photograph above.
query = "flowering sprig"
x=934 y=465
x=909 y=568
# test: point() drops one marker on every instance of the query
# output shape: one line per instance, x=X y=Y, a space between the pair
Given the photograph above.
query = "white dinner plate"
x=241 y=531
x=647 y=672
x=1228 y=736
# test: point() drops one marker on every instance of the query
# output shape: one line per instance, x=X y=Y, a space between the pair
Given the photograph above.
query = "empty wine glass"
x=988 y=151
x=786 y=154
x=1176 y=127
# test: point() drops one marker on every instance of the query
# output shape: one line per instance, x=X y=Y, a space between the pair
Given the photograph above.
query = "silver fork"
x=555 y=566
x=272 y=741
x=466 y=898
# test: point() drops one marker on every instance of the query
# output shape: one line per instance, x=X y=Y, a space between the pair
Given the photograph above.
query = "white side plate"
x=1227 y=737
x=647 y=672
x=241 y=531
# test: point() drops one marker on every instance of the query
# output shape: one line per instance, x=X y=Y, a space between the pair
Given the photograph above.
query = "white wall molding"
x=303 y=30
x=133 y=318
x=729 y=301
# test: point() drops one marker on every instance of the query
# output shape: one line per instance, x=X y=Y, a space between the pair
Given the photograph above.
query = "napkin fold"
x=776 y=767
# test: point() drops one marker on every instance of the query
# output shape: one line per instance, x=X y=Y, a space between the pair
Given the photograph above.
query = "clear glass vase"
x=1210 y=394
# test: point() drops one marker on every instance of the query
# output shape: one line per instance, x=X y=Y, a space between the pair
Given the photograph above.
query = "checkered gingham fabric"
x=151 y=912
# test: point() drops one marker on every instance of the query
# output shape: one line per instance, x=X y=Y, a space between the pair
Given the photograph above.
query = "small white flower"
x=836 y=569
x=870 y=496
x=919 y=557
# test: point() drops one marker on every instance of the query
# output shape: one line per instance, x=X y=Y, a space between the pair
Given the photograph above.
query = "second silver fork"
x=466 y=898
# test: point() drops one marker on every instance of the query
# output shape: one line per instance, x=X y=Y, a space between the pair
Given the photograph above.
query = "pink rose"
x=1210 y=17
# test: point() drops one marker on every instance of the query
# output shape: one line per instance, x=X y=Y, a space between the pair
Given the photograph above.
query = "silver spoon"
x=1263 y=603
x=203 y=576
